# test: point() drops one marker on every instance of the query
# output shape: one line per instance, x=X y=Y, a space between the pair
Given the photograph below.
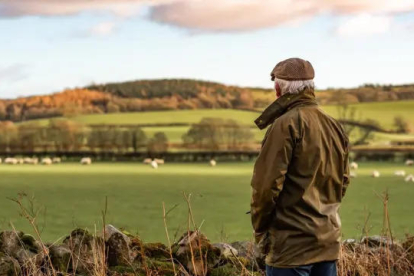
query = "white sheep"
x=399 y=173
x=1 y=161
x=154 y=164
x=33 y=161
x=56 y=160
x=409 y=178
x=86 y=161
x=46 y=161
x=159 y=161
x=27 y=160
x=147 y=161
x=10 y=161
x=20 y=161
x=375 y=174
x=352 y=175
x=409 y=162
x=213 y=163
x=353 y=166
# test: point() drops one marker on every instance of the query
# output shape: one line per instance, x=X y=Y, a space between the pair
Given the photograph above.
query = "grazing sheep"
x=409 y=178
x=27 y=160
x=353 y=166
x=33 y=161
x=159 y=161
x=213 y=163
x=352 y=174
x=147 y=161
x=399 y=173
x=375 y=174
x=10 y=161
x=1 y=161
x=46 y=161
x=86 y=161
x=20 y=161
x=56 y=160
x=409 y=162
x=154 y=164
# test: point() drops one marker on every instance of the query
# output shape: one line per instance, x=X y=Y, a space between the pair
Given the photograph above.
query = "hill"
x=175 y=94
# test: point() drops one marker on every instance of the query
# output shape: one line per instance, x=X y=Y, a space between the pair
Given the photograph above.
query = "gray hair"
x=294 y=87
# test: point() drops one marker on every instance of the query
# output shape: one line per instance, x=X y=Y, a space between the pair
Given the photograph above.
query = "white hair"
x=294 y=87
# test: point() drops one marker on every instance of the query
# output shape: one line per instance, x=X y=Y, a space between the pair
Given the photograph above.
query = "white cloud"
x=233 y=15
x=213 y=15
x=103 y=28
x=365 y=24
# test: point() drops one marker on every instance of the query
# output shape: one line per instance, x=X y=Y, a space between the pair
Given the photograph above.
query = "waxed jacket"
x=298 y=183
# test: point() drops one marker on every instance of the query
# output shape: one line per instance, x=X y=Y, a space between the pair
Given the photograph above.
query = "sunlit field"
x=71 y=195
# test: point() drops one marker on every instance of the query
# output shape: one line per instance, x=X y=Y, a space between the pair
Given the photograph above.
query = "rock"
x=60 y=256
x=156 y=251
x=250 y=251
x=375 y=241
x=8 y=266
x=22 y=247
x=81 y=244
x=118 y=250
x=164 y=268
x=226 y=250
x=25 y=257
x=195 y=252
x=10 y=242
x=350 y=243
x=110 y=230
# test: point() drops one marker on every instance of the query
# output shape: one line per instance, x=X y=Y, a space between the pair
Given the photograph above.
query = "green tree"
x=218 y=134
x=401 y=125
x=158 y=144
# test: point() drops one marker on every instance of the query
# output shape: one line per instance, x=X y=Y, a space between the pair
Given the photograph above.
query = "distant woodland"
x=174 y=94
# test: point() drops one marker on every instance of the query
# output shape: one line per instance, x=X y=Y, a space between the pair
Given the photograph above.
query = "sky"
x=47 y=46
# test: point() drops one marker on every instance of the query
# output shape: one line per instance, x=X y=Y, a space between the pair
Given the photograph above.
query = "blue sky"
x=45 y=49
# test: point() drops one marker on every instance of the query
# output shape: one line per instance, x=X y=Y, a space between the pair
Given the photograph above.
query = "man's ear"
x=278 y=90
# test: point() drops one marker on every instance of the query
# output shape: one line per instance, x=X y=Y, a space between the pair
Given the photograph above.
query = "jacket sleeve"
x=346 y=178
x=269 y=174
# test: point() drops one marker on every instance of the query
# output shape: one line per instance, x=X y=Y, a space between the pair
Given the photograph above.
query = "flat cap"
x=293 y=69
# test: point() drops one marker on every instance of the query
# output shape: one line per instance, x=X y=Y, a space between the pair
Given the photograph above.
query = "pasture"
x=71 y=195
x=383 y=112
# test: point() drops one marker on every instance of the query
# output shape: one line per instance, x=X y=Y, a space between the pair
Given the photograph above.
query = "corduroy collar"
x=283 y=104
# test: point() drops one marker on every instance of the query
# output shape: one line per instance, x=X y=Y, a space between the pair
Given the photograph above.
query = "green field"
x=383 y=112
x=74 y=195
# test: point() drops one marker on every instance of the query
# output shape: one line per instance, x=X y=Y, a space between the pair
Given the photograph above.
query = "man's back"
x=304 y=163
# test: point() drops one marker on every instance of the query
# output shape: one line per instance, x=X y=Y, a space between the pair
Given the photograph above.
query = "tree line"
x=209 y=134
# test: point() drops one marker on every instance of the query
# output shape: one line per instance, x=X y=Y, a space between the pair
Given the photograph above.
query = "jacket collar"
x=283 y=104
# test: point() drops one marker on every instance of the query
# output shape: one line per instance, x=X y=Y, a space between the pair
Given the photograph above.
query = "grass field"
x=74 y=195
x=383 y=112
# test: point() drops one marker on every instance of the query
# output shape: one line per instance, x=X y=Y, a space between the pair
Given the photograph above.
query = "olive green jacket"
x=299 y=180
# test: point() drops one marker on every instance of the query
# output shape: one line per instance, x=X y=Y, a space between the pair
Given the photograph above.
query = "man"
x=299 y=179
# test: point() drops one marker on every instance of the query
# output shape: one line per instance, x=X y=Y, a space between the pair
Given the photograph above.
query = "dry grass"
x=389 y=258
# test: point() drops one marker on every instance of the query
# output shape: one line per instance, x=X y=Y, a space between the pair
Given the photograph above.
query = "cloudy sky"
x=50 y=45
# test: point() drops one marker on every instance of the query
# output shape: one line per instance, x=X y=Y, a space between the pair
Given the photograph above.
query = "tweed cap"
x=293 y=69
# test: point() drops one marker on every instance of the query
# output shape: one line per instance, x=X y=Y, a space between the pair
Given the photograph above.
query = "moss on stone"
x=29 y=243
x=225 y=270
x=162 y=268
x=156 y=251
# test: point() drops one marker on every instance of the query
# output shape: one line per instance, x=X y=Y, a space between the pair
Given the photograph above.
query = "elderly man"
x=299 y=179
